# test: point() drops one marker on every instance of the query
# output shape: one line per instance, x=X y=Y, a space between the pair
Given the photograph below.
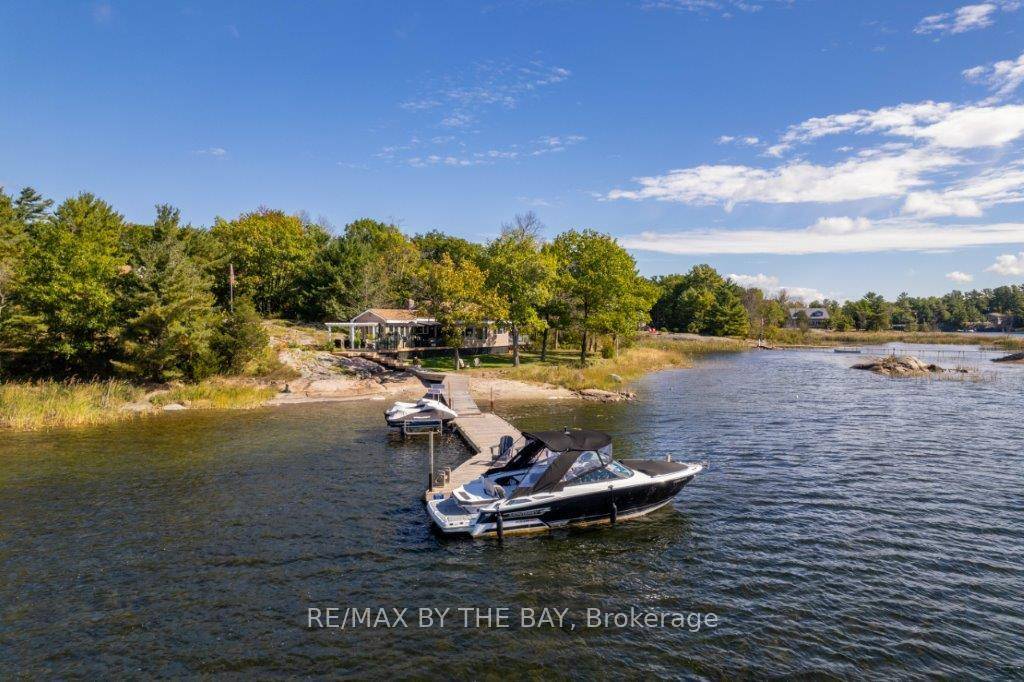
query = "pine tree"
x=170 y=308
x=728 y=317
x=241 y=339
x=31 y=207
x=67 y=294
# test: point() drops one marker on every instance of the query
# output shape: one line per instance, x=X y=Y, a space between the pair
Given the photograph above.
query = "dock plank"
x=479 y=430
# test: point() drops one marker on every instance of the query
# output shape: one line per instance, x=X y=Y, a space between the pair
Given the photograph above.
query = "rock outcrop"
x=901 y=366
x=1012 y=357
x=606 y=396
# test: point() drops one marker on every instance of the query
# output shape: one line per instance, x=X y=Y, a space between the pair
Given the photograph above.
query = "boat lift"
x=428 y=428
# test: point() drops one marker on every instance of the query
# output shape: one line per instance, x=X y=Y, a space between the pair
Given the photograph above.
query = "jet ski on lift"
x=429 y=408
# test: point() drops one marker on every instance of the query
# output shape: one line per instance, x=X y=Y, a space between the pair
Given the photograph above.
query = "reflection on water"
x=850 y=525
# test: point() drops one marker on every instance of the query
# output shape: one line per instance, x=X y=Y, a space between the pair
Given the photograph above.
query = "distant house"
x=998 y=322
x=816 y=317
x=409 y=329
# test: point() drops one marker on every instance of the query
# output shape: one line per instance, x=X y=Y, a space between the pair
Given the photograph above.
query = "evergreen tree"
x=728 y=316
x=170 y=309
x=241 y=338
x=31 y=207
x=371 y=265
x=68 y=319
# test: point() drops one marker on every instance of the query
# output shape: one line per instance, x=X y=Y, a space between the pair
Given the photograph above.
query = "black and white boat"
x=557 y=479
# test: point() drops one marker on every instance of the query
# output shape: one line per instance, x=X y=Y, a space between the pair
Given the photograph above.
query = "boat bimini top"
x=553 y=458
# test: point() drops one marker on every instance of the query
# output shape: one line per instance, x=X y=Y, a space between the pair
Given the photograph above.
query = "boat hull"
x=582 y=510
x=549 y=511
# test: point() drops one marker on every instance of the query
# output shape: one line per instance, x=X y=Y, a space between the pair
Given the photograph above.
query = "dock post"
x=430 y=474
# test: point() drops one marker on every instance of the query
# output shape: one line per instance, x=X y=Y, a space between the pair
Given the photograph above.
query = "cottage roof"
x=813 y=313
x=395 y=315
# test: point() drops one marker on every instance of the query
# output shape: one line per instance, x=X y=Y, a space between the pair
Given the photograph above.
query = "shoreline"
x=326 y=378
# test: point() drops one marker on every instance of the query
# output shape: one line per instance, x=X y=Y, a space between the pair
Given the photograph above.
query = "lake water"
x=849 y=526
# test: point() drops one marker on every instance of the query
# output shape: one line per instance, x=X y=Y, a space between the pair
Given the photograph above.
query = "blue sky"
x=827 y=147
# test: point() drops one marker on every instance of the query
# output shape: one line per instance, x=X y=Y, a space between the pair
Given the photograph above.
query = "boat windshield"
x=541 y=462
x=594 y=466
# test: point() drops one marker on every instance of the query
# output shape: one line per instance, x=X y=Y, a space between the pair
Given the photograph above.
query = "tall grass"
x=648 y=355
x=49 y=404
x=796 y=337
x=217 y=395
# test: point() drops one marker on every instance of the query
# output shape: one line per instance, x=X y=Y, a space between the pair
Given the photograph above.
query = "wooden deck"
x=480 y=430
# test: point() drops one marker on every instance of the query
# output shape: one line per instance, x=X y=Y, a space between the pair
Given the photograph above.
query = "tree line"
x=703 y=301
x=85 y=293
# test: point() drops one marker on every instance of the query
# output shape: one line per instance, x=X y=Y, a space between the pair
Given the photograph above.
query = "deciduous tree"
x=457 y=296
x=522 y=273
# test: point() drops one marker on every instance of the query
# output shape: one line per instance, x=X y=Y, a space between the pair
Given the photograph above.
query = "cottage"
x=998 y=322
x=403 y=330
x=817 y=317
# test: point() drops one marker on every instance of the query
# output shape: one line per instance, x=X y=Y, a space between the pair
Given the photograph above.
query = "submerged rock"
x=900 y=366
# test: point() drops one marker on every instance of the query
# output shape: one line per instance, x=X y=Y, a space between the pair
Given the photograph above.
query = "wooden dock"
x=480 y=430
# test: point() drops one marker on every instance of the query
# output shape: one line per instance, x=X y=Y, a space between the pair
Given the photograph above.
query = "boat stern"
x=450 y=517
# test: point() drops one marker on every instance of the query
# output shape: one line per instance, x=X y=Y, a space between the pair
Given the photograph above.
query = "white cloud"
x=887 y=235
x=968 y=197
x=1008 y=264
x=957 y=276
x=216 y=152
x=465 y=97
x=935 y=205
x=760 y=281
x=966 y=18
x=940 y=123
x=746 y=140
x=865 y=176
x=770 y=285
x=548 y=144
x=457 y=119
x=722 y=7
x=840 y=225
x=1002 y=77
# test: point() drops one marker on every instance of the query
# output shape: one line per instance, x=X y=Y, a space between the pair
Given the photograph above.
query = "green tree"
x=269 y=250
x=597 y=276
x=434 y=244
x=693 y=309
x=30 y=207
x=522 y=273
x=171 y=316
x=728 y=316
x=686 y=300
x=68 y=318
x=371 y=265
x=11 y=237
x=241 y=338
x=556 y=311
x=457 y=296
x=803 y=320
